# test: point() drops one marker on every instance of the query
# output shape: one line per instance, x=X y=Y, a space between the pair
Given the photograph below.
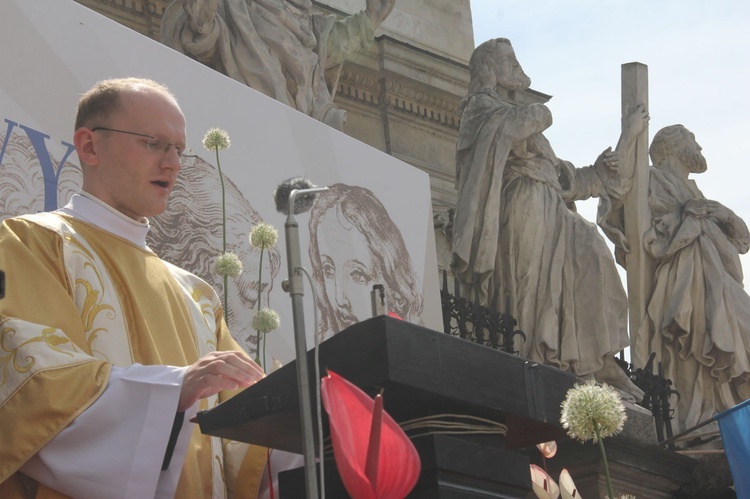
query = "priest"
x=107 y=351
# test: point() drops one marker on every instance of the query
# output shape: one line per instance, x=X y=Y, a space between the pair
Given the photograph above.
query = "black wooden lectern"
x=423 y=373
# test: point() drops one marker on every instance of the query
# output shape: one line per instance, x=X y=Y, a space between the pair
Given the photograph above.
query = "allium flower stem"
x=604 y=460
x=263 y=236
x=260 y=275
x=217 y=140
x=223 y=204
x=260 y=298
x=264 y=352
x=223 y=230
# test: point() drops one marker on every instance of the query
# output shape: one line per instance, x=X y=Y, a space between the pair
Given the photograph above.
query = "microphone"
x=300 y=193
x=302 y=203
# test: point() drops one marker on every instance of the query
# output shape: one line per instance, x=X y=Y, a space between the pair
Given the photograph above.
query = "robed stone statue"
x=278 y=47
x=697 y=320
x=516 y=234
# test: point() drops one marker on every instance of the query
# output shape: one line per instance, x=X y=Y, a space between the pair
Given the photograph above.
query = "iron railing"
x=478 y=324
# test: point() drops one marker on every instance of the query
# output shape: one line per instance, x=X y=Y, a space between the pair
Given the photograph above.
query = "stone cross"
x=637 y=218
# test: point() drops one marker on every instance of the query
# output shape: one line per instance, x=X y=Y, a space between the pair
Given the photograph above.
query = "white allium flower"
x=228 y=264
x=263 y=235
x=266 y=320
x=216 y=139
x=589 y=403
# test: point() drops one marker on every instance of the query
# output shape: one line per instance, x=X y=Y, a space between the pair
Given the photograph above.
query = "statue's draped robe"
x=698 y=316
x=83 y=306
x=277 y=47
x=515 y=236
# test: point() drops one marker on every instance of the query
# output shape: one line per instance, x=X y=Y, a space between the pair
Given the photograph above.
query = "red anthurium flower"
x=394 y=465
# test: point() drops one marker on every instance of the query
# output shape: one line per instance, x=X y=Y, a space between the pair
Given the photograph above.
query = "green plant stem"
x=264 y=352
x=223 y=233
x=226 y=294
x=604 y=460
x=260 y=297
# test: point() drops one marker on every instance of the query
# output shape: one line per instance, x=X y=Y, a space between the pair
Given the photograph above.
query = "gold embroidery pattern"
x=93 y=292
x=90 y=308
x=90 y=305
x=14 y=356
x=103 y=325
x=202 y=294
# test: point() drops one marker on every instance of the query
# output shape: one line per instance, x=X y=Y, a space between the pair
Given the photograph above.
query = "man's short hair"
x=103 y=99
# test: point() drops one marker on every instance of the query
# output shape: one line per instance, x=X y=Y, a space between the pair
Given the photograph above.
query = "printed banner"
x=373 y=226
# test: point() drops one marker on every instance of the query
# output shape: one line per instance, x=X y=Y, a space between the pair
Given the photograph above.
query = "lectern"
x=423 y=373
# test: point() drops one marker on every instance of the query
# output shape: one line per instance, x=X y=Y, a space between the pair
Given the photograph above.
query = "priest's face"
x=130 y=172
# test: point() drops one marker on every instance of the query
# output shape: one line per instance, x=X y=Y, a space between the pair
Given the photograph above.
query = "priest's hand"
x=217 y=371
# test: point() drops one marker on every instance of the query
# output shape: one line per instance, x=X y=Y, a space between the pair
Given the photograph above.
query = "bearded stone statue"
x=698 y=316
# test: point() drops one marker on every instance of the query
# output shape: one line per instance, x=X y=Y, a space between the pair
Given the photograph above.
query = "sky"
x=698 y=58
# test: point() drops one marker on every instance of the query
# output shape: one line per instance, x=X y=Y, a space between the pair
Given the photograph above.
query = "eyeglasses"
x=152 y=143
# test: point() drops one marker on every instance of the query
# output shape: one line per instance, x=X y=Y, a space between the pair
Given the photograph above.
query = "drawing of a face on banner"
x=354 y=244
x=189 y=234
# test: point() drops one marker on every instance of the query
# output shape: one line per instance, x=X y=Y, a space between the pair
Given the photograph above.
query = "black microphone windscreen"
x=302 y=202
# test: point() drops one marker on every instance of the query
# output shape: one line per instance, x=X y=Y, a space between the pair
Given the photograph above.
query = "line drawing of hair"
x=359 y=208
x=189 y=234
x=22 y=180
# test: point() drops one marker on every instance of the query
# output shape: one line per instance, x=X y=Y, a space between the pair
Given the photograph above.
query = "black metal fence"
x=476 y=323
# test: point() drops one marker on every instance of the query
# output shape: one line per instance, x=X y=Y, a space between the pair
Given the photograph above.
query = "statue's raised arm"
x=379 y=10
x=278 y=47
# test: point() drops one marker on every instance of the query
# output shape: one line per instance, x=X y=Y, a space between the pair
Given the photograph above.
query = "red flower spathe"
x=350 y=414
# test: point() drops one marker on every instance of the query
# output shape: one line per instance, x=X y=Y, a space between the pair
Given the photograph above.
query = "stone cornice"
x=399 y=95
x=143 y=16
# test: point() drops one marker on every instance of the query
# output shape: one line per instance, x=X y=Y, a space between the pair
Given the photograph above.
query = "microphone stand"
x=294 y=286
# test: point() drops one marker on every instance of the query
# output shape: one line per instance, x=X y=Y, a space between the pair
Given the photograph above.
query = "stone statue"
x=698 y=316
x=516 y=233
x=278 y=47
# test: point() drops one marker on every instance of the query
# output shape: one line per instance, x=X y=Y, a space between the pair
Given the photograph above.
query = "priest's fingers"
x=215 y=372
x=204 y=386
x=230 y=364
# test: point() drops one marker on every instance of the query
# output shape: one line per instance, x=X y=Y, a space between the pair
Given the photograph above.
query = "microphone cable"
x=316 y=361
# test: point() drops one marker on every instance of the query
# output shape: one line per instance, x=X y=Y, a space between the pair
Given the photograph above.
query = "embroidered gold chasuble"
x=80 y=300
